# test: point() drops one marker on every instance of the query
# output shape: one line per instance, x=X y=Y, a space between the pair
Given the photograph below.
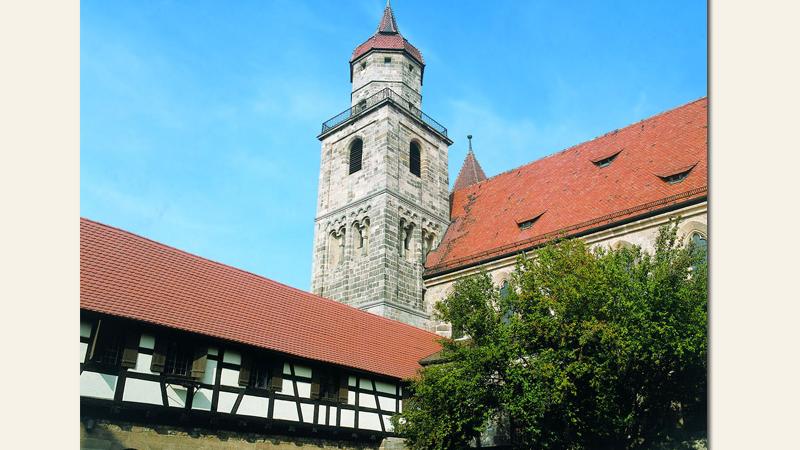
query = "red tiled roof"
x=387 y=37
x=570 y=193
x=470 y=173
x=126 y=275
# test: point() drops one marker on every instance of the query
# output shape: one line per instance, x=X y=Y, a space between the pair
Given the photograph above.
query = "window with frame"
x=356 y=155
x=329 y=386
x=261 y=372
x=112 y=345
x=177 y=357
x=415 y=159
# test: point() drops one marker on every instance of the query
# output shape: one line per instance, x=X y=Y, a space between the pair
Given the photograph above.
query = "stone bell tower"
x=383 y=187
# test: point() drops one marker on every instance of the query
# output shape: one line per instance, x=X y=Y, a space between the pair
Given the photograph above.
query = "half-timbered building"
x=172 y=340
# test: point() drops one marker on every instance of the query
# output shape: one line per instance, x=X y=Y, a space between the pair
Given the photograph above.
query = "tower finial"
x=388 y=24
x=469 y=137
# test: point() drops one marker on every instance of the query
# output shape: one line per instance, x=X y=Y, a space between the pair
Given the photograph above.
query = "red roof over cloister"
x=620 y=175
x=129 y=276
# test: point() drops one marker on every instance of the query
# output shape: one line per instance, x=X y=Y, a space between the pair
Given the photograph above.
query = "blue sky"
x=199 y=118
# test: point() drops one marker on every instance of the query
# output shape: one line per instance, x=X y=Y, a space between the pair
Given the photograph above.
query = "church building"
x=177 y=351
x=391 y=238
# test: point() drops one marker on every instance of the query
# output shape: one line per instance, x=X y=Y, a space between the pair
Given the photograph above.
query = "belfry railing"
x=382 y=96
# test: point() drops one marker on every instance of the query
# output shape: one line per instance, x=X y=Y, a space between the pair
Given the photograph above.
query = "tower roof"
x=388 y=24
x=387 y=37
x=471 y=171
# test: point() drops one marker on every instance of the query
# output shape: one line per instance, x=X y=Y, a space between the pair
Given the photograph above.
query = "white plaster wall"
x=176 y=396
x=366 y=400
x=142 y=391
x=232 y=357
x=98 y=385
x=386 y=403
x=285 y=410
x=369 y=421
x=308 y=412
x=253 y=406
x=304 y=389
x=348 y=418
x=385 y=387
x=286 y=387
x=302 y=371
x=147 y=341
x=202 y=399
x=226 y=402
x=229 y=377
x=387 y=422
x=86 y=328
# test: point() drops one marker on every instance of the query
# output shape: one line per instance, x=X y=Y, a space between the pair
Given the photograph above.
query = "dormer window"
x=605 y=161
x=677 y=175
x=525 y=224
x=677 y=178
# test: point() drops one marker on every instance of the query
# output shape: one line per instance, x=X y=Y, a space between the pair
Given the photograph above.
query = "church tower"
x=383 y=185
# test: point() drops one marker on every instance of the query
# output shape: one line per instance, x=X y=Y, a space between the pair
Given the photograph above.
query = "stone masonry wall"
x=371 y=73
x=106 y=435
x=384 y=198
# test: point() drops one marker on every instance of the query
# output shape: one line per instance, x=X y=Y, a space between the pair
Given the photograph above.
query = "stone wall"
x=371 y=73
x=112 y=435
x=385 y=202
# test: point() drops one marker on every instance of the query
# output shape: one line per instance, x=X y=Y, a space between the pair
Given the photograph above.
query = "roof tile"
x=126 y=275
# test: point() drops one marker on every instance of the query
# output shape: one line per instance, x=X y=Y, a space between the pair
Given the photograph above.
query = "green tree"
x=589 y=348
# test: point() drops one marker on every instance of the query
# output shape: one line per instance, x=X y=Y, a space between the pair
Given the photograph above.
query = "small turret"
x=471 y=171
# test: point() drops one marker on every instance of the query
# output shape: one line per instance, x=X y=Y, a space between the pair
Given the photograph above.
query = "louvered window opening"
x=356 y=150
x=415 y=162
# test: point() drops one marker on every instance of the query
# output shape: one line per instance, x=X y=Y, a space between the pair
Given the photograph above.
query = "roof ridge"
x=246 y=272
x=572 y=147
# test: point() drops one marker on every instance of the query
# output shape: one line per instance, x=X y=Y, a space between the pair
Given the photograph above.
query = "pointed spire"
x=471 y=171
x=388 y=25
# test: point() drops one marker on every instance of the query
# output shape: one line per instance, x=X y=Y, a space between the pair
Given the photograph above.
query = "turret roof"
x=387 y=37
x=471 y=171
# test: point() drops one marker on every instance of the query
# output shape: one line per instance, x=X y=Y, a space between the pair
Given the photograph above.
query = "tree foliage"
x=589 y=348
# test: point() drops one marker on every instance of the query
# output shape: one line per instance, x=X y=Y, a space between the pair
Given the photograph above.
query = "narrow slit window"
x=415 y=159
x=356 y=153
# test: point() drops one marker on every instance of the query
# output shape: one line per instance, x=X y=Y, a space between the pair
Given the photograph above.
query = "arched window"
x=355 y=155
x=699 y=244
x=414 y=159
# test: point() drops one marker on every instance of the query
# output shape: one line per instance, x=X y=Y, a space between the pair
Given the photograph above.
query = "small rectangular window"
x=410 y=67
x=387 y=59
